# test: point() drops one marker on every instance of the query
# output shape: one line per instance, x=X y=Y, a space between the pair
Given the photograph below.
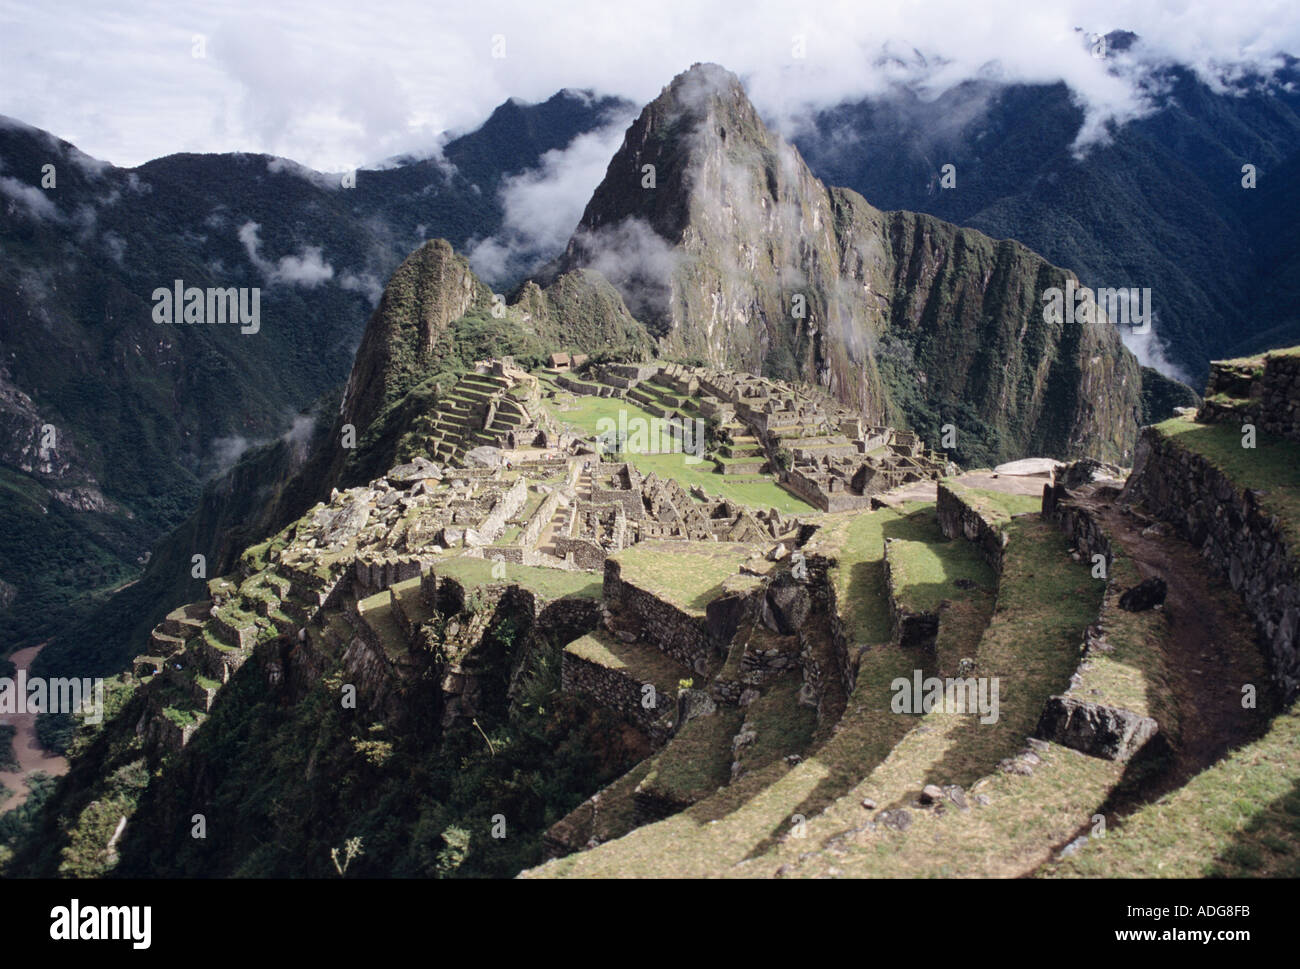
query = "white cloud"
x=26 y=198
x=335 y=86
x=368 y=284
x=542 y=206
x=1151 y=352
x=307 y=269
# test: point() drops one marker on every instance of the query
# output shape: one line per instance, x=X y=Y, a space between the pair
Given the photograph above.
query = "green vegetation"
x=688 y=575
x=758 y=493
x=547 y=583
x=1269 y=468
x=8 y=760
x=1239 y=818
x=925 y=573
x=697 y=761
x=642 y=662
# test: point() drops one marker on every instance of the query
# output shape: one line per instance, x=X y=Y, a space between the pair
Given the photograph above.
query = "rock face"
x=1145 y=595
x=1100 y=731
x=728 y=248
x=433 y=287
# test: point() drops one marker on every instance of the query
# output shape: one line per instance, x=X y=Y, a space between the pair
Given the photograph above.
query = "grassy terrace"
x=1238 y=818
x=924 y=572
x=1272 y=466
x=377 y=613
x=1031 y=645
x=997 y=507
x=929 y=566
x=689 y=575
x=764 y=493
x=642 y=662
x=745 y=819
x=782 y=724
x=697 y=761
x=1133 y=675
x=547 y=583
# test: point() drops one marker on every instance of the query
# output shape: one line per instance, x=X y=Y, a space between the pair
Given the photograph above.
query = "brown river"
x=30 y=755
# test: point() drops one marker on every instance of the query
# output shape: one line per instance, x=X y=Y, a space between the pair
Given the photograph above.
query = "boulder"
x=1112 y=733
x=1145 y=595
x=484 y=456
x=786 y=606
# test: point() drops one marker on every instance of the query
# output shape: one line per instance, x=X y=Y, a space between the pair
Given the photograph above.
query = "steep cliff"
x=728 y=248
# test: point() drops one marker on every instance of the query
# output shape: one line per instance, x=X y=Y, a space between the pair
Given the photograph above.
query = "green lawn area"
x=697 y=761
x=1239 y=818
x=1272 y=466
x=585 y=414
x=923 y=573
x=641 y=661
x=547 y=583
x=929 y=566
x=687 y=574
x=997 y=506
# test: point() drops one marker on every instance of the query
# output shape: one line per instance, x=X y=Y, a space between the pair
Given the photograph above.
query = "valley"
x=757 y=532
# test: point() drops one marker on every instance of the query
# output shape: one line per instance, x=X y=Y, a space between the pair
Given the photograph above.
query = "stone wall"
x=617 y=691
x=683 y=637
x=541 y=517
x=1238 y=539
x=1093 y=727
x=1267 y=396
x=1085 y=533
x=586 y=555
x=959 y=519
x=1280 y=404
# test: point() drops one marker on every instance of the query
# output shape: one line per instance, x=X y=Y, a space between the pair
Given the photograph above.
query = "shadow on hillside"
x=1269 y=846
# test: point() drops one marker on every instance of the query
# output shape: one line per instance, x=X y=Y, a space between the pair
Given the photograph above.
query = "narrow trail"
x=31 y=756
x=1210 y=650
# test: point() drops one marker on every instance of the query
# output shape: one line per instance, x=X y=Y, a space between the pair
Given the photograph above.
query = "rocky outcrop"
x=728 y=248
x=1095 y=729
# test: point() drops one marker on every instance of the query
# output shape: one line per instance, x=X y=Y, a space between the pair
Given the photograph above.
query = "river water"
x=31 y=756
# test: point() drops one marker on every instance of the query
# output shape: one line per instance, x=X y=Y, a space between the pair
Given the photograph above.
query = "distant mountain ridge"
x=1159 y=204
x=728 y=248
x=144 y=413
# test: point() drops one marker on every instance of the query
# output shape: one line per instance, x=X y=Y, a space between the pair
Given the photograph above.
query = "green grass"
x=857 y=541
x=997 y=507
x=547 y=583
x=760 y=494
x=1238 y=818
x=641 y=661
x=1272 y=466
x=697 y=761
x=923 y=573
x=377 y=613
x=1031 y=645
x=1133 y=675
x=689 y=575
x=782 y=724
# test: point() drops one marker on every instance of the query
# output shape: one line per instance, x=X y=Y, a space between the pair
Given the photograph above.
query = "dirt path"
x=31 y=756
x=1210 y=651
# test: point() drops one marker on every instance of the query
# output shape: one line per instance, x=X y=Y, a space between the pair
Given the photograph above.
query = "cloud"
x=1151 y=352
x=542 y=207
x=28 y=199
x=638 y=261
x=368 y=284
x=334 y=89
x=307 y=269
x=115 y=245
x=226 y=451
